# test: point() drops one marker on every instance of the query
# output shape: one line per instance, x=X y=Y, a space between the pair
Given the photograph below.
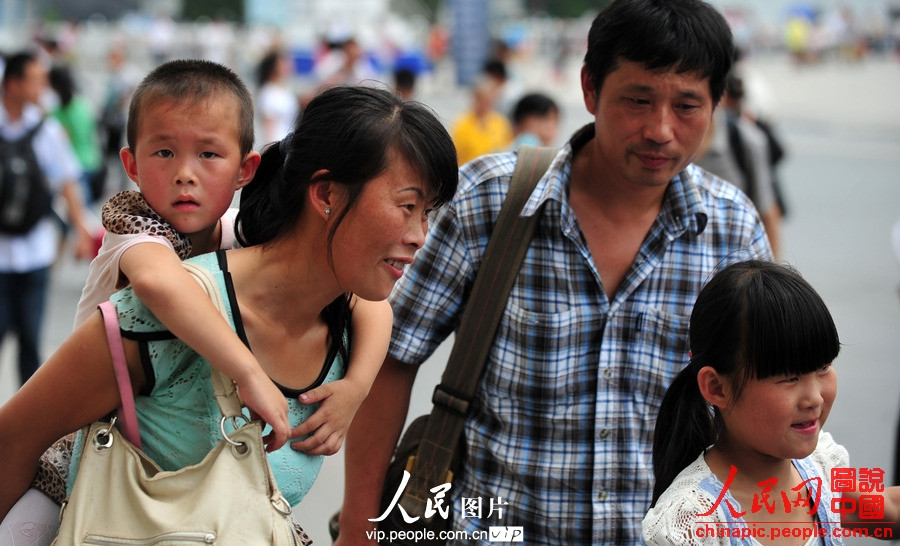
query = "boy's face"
x=187 y=161
x=649 y=124
x=546 y=127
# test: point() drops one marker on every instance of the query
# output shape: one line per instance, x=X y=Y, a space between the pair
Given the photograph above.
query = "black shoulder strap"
x=504 y=253
x=34 y=130
x=503 y=257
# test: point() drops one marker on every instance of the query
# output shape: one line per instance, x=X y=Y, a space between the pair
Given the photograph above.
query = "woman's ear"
x=324 y=194
x=713 y=386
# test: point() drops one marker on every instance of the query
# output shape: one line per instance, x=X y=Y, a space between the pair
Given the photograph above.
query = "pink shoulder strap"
x=128 y=424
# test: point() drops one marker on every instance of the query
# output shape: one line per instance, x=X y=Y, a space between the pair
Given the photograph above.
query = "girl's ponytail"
x=685 y=427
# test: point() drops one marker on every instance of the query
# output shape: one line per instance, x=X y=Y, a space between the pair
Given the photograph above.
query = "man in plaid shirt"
x=596 y=324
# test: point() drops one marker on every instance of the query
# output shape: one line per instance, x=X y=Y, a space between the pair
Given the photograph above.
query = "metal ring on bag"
x=103 y=439
x=234 y=423
x=282 y=505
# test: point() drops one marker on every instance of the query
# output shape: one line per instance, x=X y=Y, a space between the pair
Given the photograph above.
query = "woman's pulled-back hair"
x=63 y=83
x=352 y=133
x=191 y=81
x=753 y=320
x=680 y=35
x=266 y=68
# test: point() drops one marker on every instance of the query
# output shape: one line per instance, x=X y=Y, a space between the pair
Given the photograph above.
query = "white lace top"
x=674 y=519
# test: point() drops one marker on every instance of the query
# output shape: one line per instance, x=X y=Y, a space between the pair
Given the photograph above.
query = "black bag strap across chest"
x=509 y=242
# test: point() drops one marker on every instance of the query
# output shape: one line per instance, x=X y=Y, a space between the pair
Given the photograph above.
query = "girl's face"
x=381 y=233
x=781 y=416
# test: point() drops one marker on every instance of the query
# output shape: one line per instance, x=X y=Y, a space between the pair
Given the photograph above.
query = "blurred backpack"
x=25 y=195
x=776 y=155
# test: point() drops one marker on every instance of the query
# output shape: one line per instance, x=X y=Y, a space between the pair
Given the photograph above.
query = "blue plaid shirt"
x=561 y=426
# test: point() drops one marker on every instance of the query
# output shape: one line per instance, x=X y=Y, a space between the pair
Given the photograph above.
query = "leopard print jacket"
x=128 y=212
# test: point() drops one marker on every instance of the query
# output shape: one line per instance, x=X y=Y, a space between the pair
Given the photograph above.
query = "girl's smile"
x=780 y=416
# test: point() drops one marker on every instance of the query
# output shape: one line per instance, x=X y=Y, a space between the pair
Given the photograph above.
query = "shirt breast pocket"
x=539 y=361
x=659 y=351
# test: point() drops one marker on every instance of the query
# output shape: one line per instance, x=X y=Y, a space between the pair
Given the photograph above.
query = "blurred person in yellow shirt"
x=482 y=129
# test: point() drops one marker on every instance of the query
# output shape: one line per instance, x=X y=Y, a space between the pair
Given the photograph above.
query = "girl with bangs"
x=739 y=455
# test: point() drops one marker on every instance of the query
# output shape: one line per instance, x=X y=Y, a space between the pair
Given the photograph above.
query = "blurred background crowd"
x=492 y=53
x=823 y=74
x=443 y=44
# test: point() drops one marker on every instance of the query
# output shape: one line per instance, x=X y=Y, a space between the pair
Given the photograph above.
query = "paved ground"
x=842 y=127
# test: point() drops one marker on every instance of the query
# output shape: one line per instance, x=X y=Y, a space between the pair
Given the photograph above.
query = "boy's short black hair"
x=14 y=68
x=533 y=104
x=191 y=80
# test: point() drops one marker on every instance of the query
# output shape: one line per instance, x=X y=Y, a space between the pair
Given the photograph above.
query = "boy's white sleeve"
x=104 y=276
x=229 y=240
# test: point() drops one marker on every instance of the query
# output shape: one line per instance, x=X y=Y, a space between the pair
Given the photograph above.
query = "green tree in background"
x=565 y=8
x=230 y=10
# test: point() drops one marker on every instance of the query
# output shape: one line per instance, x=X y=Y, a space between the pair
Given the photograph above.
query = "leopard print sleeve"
x=128 y=212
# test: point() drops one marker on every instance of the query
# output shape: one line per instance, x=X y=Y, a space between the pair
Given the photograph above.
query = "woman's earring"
x=327 y=211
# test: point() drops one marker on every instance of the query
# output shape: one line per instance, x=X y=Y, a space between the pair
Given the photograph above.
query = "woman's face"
x=381 y=233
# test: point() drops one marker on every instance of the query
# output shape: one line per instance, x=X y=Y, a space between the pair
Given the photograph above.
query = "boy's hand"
x=266 y=402
x=329 y=423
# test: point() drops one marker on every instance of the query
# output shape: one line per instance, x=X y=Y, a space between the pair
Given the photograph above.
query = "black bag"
x=403 y=459
x=25 y=196
x=407 y=448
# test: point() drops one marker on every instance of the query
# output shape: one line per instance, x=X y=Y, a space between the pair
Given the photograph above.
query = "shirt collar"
x=552 y=185
x=682 y=209
x=31 y=115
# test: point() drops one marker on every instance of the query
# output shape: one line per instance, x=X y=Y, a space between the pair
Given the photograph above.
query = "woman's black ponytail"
x=266 y=197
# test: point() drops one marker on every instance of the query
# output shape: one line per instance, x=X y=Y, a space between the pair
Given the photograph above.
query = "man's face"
x=649 y=124
x=32 y=84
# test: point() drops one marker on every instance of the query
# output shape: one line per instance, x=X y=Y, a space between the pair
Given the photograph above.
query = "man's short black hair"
x=680 y=35
x=16 y=64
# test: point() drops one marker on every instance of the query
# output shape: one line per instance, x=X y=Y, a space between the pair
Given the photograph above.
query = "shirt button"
x=604 y=433
x=602 y=496
x=607 y=373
